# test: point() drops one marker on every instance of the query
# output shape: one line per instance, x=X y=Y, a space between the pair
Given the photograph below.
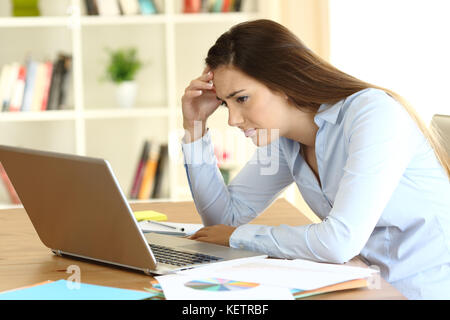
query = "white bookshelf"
x=172 y=44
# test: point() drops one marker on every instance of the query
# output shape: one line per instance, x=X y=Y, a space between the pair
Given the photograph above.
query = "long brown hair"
x=273 y=55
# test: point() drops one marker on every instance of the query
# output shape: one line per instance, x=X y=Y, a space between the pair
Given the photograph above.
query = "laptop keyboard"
x=180 y=258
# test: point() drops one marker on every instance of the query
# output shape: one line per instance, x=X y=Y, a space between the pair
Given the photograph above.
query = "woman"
x=362 y=159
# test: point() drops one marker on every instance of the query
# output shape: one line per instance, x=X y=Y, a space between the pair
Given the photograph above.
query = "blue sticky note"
x=67 y=290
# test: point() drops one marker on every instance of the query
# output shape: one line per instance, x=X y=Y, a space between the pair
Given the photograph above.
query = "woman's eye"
x=242 y=99
x=224 y=104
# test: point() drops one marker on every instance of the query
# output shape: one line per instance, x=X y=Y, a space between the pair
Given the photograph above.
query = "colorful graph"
x=216 y=284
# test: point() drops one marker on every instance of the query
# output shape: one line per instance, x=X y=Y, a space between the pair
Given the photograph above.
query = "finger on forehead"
x=206 y=70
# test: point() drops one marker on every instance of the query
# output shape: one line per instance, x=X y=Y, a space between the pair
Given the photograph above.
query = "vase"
x=126 y=94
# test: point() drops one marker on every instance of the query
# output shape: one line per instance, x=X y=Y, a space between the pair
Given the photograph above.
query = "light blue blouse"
x=383 y=195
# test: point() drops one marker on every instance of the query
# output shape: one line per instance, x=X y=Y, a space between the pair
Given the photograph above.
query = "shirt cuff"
x=200 y=151
x=243 y=236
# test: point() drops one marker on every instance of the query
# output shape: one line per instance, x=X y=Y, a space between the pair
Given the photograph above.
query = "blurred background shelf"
x=172 y=46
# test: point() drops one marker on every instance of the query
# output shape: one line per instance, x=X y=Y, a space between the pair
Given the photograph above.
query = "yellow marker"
x=149 y=215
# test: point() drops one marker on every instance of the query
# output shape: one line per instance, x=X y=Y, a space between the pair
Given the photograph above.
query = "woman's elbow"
x=332 y=254
x=340 y=255
x=338 y=252
x=338 y=242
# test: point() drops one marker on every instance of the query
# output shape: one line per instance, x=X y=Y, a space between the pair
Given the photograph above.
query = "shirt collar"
x=329 y=113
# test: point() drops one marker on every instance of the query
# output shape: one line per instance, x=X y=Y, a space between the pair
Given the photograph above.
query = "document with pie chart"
x=216 y=284
x=180 y=287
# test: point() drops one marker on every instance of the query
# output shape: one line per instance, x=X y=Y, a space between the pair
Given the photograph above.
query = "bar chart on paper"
x=216 y=284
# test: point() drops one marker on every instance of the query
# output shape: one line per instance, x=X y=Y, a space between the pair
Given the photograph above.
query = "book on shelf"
x=35 y=85
x=204 y=6
x=217 y=6
x=192 y=6
x=17 y=90
x=196 y=6
x=151 y=178
x=38 y=92
x=122 y=7
x=237 y=5
x=4 y=75
x=91 y=7
x=148 y=179
x=29 y=84
x=139 y=171
x=148 y=7
x=14 y=198
x=226 y=5
x=161 y=188
x=47 y=78
x=129 y=7
x=9 y=74
x=108 y=8
x=59 y=84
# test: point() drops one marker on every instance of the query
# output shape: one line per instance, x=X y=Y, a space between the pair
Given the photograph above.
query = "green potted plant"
x=122 y=67
x=25 y=8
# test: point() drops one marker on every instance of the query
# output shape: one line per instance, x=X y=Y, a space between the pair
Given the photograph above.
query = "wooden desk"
x=24 y=260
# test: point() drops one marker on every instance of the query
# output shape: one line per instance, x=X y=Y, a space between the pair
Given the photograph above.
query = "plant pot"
x=126 y=94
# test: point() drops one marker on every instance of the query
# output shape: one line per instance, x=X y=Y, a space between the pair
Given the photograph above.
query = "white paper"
x=180 y=287
x=295 y=274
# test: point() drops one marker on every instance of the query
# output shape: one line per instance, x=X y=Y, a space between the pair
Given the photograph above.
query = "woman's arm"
x=381 y=141
x=255 y=187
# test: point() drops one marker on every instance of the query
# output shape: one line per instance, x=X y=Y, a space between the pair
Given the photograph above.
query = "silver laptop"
x=78 y=209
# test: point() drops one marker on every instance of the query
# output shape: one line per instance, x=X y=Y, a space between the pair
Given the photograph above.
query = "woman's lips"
x=250 y=132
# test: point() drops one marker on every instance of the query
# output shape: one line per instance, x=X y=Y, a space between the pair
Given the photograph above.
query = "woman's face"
x=255 y=109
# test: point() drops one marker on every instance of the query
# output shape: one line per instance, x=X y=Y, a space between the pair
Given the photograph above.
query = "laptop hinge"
x=148 y=272
x=57 y=252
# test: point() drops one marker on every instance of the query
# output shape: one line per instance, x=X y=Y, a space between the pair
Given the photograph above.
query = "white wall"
x=402 y=45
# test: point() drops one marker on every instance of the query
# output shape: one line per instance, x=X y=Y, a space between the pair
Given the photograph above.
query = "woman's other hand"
x=218 y=234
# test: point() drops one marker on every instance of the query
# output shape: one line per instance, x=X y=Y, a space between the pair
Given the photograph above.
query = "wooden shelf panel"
x=19 y=22
x=59 y=115
x=86 y=21
x=122 y=20
x=126 y=113
x=212 y=17
x=87 y=114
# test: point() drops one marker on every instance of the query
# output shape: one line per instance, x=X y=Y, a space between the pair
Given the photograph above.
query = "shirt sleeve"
x=255 y=187
x=381 y=139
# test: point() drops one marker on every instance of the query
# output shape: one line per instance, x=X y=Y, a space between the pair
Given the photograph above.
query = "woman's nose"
x=234 y=117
